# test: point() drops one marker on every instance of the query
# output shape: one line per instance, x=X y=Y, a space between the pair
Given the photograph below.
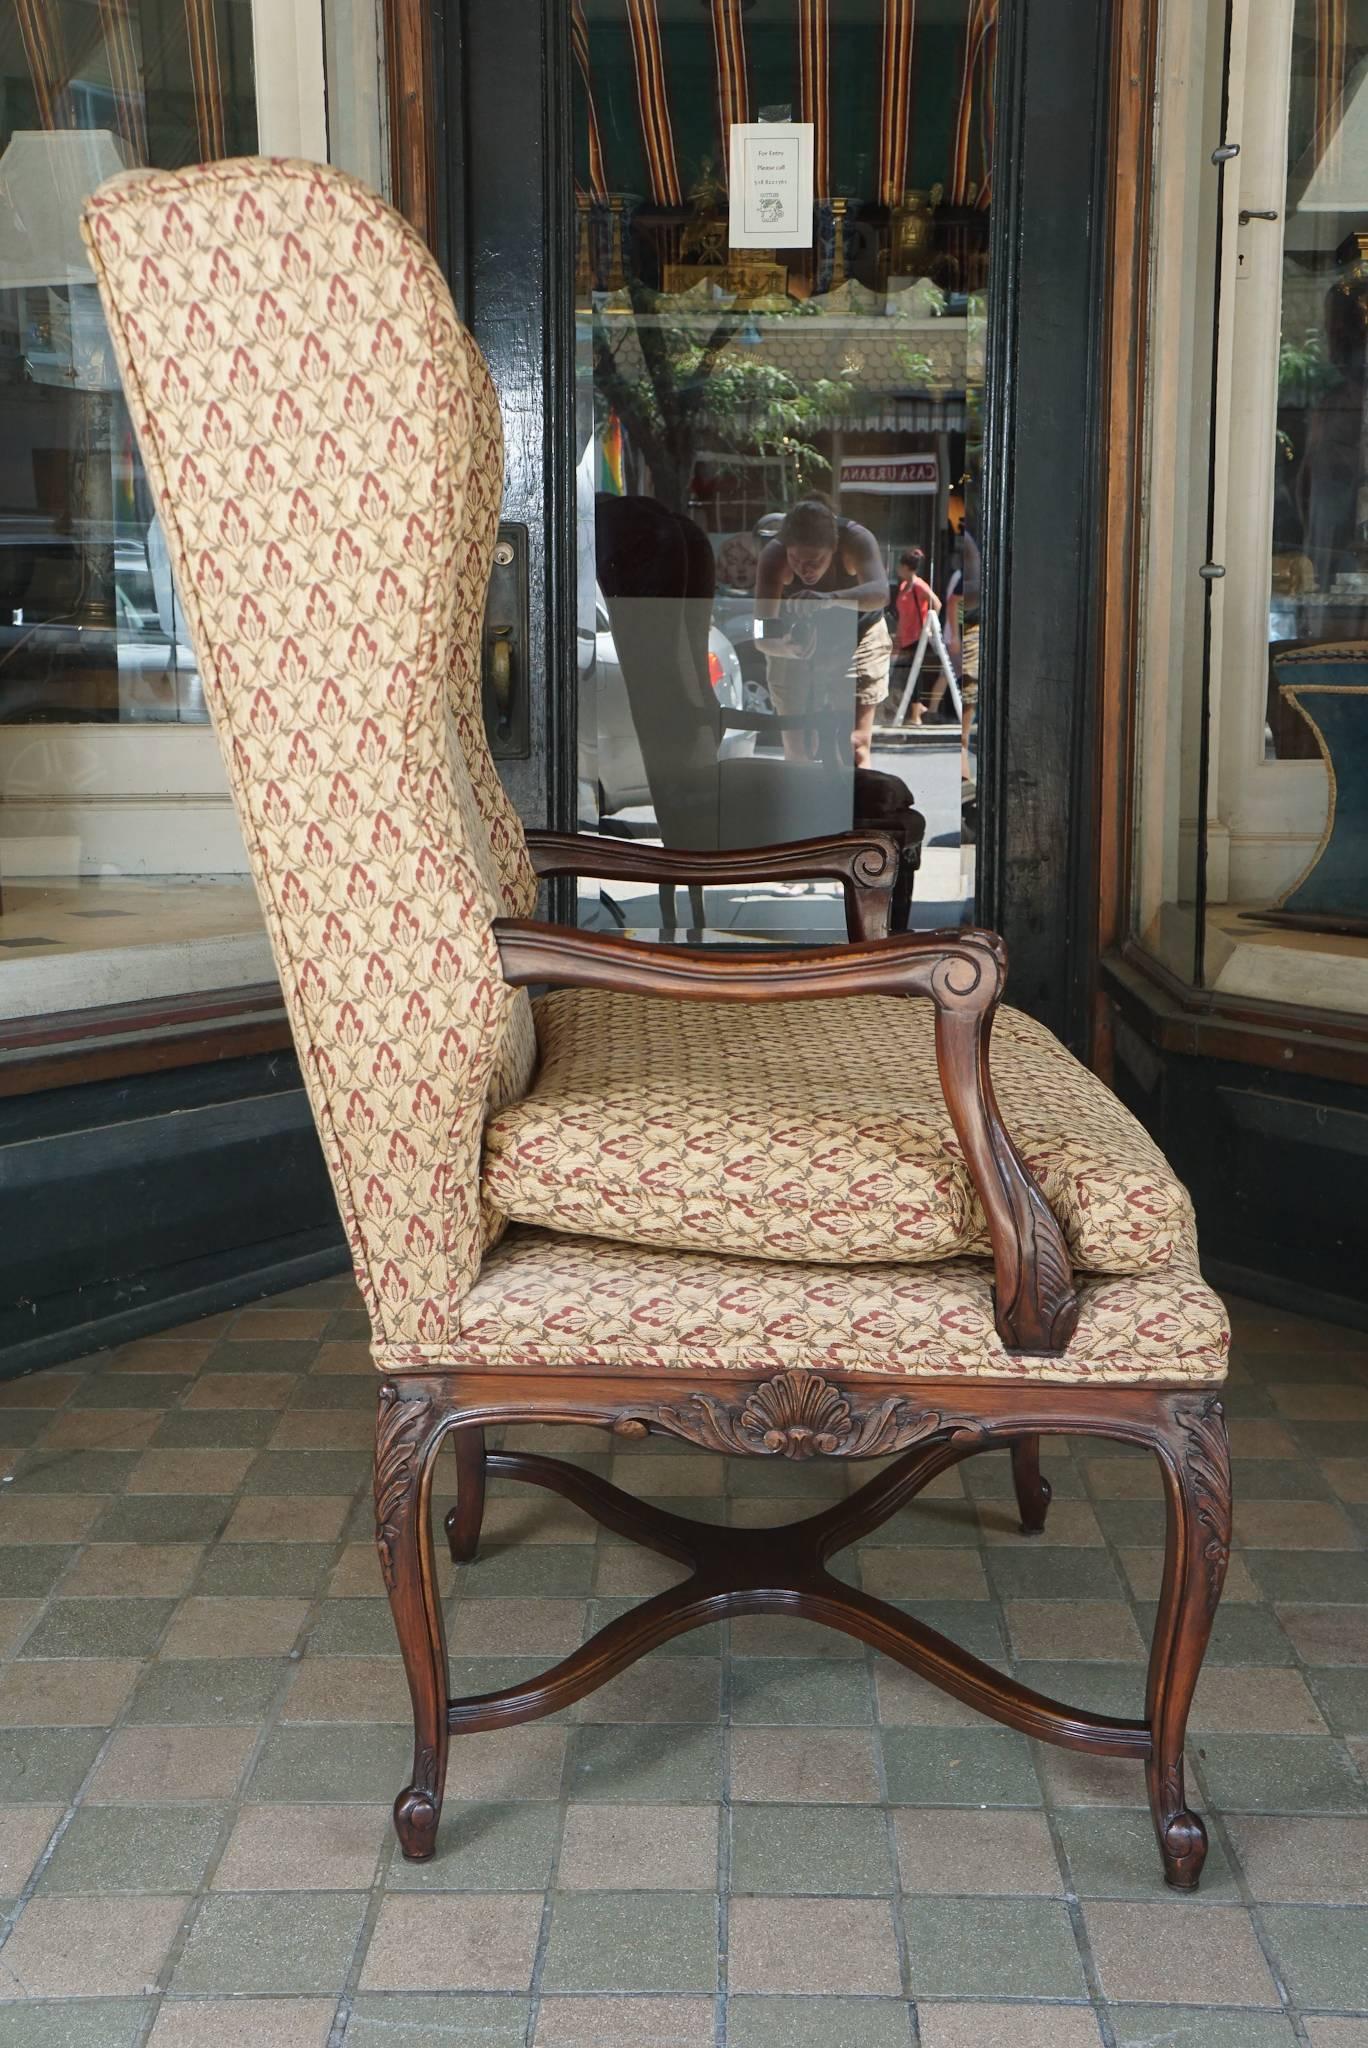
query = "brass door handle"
x=505 y=667
x=500 y=667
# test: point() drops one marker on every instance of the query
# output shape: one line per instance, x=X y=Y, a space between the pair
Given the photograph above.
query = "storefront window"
x=1251 y=850
x=122 y=871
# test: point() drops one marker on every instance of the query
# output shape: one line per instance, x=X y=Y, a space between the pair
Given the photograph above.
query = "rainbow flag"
x=611 y=477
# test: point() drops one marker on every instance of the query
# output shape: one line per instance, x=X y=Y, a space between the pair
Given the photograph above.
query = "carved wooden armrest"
x=963 y=973
x=864 y=863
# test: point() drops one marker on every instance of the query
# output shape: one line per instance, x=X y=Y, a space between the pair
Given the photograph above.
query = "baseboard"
x=204 y=1287
x=1257 y=1284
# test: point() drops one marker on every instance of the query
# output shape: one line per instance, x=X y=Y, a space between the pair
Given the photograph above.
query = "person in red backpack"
x=912 y=601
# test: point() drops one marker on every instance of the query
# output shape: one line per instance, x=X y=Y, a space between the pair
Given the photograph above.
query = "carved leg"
x=1195 y=1458
x=1032 y=1488
x=406 y=1440
x=463 y=1521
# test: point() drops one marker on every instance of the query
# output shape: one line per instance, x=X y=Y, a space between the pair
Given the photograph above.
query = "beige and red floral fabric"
x=812 y=1131
x=323 y=443
x=545 y=1300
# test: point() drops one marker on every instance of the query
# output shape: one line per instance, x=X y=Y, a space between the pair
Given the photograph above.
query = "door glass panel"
x=779 y=443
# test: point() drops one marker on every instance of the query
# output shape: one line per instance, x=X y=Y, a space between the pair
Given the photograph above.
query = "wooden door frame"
x=411 y=101
x=1133 y=85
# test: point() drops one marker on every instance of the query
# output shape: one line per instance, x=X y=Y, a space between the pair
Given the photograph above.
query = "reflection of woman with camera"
x=816 y=572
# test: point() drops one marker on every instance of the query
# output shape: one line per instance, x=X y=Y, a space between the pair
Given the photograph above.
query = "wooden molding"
x=1135 y=41
x=411 y=96
x=1173 y=1016
x=122 y=1039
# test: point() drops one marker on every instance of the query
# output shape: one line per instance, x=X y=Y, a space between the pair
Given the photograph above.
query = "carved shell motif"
x=797 y=1415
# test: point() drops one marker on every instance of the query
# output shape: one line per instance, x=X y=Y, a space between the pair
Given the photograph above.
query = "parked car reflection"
x=612 y=772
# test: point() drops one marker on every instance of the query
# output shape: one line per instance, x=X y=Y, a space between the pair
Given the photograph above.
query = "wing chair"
x=553 y=1212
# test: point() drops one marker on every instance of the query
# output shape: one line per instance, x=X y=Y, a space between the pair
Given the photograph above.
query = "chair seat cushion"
x=544 y=1300
x=811 y=1131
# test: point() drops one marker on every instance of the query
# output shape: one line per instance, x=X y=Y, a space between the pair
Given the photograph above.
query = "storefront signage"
x=892 y=476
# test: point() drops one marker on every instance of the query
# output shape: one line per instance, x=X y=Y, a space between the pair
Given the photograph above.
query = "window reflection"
x=780 y=448
x=90 y=626
x=122 y=873
x=1319 y=581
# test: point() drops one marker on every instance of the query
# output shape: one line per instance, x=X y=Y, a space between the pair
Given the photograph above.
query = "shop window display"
x=1251 y=845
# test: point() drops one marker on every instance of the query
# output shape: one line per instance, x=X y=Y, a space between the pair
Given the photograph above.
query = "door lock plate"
x=504 y=656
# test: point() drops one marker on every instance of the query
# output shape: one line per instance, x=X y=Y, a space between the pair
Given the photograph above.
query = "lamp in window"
x=1335 y=167
x=46 y=175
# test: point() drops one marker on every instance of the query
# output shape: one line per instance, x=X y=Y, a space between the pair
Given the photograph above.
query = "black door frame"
x=503 y=95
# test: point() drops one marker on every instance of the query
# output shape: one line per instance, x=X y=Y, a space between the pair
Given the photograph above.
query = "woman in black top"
x=817 y=570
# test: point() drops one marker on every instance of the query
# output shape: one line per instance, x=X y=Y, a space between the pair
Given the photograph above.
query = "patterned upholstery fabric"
x=544 y=1300
x=323 y=442
x=812 y=1131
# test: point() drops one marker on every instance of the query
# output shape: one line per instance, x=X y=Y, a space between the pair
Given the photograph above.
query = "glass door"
x=781 y=258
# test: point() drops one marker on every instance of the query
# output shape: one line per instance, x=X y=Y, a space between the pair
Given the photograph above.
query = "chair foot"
x=417 y=1811
x=463 y=1522
x=1033 y=1490
x=1182 y=1842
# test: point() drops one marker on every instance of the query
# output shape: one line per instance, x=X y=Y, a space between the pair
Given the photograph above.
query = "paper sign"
x=771 y=185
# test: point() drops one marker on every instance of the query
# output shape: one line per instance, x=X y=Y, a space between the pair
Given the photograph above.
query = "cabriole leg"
x=464 y=1520
x=1032 y=1488
x=1194 y=1454
x=407 y=1433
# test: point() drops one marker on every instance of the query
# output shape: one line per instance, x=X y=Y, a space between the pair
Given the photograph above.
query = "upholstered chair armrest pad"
x=962 y=972
x=864 y=863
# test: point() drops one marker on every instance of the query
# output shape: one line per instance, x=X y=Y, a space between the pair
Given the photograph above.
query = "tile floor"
x=761 y=1837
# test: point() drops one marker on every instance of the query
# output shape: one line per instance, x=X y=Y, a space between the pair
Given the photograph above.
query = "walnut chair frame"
x=926 y=1428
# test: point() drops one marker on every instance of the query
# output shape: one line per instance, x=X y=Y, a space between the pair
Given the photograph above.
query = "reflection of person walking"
x=817 y=565
x=912 y=603
x=962 y=619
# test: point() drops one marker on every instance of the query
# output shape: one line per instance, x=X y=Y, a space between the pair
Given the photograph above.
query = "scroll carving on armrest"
x=864 y=863
x=963 y=973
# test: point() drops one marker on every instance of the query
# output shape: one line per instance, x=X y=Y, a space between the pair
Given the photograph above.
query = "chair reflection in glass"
x=658 y=574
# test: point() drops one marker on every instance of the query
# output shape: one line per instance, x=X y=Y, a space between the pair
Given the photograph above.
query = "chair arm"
x=963 y=973
x=864 y=863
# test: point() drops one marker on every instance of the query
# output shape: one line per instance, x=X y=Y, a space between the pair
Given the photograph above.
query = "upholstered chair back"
x=323 y=443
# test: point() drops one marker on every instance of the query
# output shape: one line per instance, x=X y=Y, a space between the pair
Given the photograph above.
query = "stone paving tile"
x=203 y=1720
x=981 y=1948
